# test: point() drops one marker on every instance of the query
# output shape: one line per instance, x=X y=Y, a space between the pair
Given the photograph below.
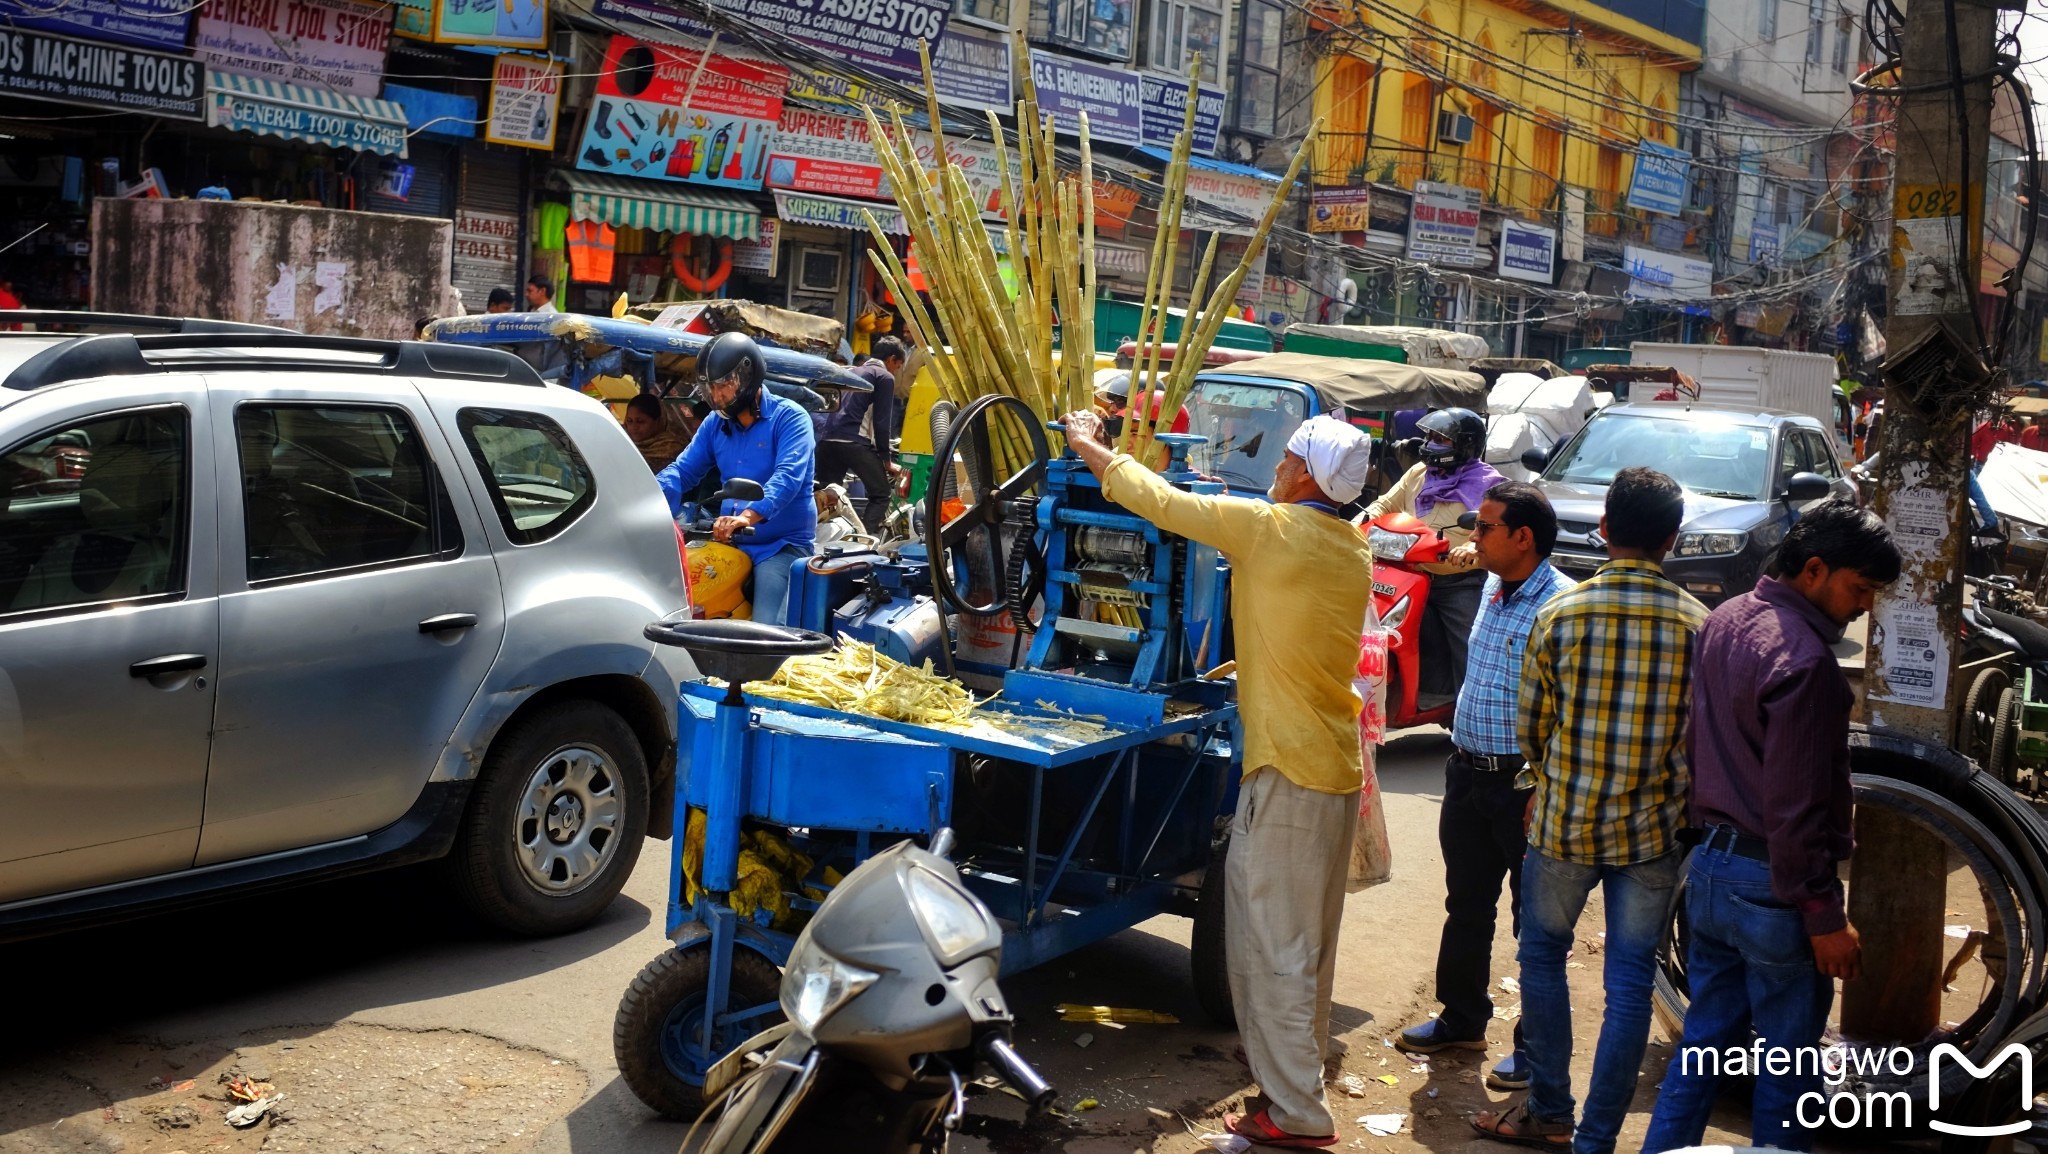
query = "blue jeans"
x=1750 y=966
x=1638 y=900
x=771 y=584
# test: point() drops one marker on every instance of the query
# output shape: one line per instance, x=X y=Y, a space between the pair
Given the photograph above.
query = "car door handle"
x=172 y=663
x=448 y=621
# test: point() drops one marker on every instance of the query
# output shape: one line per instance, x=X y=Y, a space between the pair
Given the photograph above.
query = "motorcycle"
x=892 y=1007
x=1401 y=544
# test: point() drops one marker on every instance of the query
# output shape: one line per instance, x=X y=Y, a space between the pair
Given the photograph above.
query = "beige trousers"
x=1283 y=904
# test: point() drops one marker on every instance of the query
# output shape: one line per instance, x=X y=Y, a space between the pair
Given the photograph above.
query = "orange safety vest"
x=591 y=245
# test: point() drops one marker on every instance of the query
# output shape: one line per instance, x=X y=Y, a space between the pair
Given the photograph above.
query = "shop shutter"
x=490 y=198
x=433 y=179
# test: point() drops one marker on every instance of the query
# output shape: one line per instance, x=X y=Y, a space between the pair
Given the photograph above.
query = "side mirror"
x=1468 y=521
x=741 y=489
x=1802 y=487
x=1533 y=459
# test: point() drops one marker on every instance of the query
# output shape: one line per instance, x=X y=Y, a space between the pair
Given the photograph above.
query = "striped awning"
x=296 y=112
x=660 y=205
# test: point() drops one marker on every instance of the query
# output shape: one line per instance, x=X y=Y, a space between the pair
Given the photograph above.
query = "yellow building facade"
x=1519 y=99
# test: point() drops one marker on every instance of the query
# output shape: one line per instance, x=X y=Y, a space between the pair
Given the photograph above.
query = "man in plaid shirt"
x=1606 y=692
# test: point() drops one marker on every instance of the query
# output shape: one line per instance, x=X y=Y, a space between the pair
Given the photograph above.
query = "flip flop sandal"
x=1259 y=1130
x=1516 y=1125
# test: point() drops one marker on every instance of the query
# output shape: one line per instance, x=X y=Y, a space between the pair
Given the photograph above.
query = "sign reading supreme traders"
x=45 y=67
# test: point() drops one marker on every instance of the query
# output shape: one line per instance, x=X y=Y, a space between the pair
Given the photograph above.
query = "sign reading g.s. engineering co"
x=45 y=67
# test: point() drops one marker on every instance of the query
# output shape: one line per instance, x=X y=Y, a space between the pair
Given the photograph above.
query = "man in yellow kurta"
x=1300 y=582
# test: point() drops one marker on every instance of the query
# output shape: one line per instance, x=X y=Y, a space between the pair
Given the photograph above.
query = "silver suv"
x=275 y=607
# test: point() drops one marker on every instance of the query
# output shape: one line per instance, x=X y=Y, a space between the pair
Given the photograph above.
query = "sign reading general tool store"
x=333 y=44
x=46 y=67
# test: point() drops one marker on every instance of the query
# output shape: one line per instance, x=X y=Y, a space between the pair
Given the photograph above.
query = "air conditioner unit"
x=1454 y=128
x=820 y=270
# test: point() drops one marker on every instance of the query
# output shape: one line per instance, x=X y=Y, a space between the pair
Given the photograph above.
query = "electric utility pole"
x=1935 y=378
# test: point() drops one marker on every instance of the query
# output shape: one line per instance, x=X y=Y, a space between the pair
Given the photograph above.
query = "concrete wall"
x=318 y=270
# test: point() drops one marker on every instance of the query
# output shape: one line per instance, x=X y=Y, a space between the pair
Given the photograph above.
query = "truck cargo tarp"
x=1373 y=386
x=1423 y=346
x=2015 y=481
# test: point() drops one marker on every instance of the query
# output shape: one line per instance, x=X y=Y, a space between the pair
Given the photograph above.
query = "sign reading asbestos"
x=41 y=66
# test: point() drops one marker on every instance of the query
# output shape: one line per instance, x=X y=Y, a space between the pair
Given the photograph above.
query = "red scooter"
x=1400 y=545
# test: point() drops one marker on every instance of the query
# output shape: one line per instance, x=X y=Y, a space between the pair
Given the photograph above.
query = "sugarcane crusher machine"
x=1086 y=797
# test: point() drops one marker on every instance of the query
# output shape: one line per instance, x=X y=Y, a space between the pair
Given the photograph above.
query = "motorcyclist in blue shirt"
x=751 y=433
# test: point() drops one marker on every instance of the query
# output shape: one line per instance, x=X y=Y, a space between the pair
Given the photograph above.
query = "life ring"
x=681 y=255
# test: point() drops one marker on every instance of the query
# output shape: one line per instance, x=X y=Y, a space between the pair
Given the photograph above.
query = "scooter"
x=893 y=1009
x=716 y=573
x=1401 y=544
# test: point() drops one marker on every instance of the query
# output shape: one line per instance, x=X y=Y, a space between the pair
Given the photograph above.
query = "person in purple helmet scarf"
x=1447 y=483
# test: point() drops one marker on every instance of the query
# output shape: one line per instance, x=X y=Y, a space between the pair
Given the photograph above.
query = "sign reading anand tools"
x=45 y=67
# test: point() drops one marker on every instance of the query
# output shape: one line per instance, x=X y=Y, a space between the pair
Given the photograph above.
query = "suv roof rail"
x=64 y=320
x=122 y=354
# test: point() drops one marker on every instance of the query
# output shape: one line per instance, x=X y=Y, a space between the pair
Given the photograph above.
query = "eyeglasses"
x=1482 y=528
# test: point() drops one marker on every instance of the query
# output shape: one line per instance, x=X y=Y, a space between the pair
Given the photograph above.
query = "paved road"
x=333 y=964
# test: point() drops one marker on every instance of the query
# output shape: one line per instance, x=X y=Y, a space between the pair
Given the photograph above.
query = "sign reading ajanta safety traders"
x=45 y=67
x=638 y=124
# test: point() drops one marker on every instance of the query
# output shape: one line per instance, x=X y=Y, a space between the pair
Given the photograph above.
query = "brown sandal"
x=1517 y=1125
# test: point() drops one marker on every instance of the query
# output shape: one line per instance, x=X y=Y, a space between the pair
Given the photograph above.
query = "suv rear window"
x=538 y=480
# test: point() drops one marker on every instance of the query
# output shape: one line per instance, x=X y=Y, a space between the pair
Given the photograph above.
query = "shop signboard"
x=1443 y=224
x=338 y=45
x=41 y=66
x=1244 y=198
x=757 y=256
x=970 y=69
x=831 y=154
x=1339 y=209
x=1655 y=275
x=1165 y=109
x=877 y=36
x=489 y=23
x=1658 y=184
x=526 y=98
x=1113 y=98
x=639 y=126
x=794 y=209
x=1763 y=244
x=1528 y=252
x=161 y=24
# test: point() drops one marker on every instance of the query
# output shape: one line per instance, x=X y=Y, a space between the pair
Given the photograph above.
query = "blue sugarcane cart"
x=1091 y=794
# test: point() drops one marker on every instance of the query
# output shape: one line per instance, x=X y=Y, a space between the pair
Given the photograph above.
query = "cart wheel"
x=1206 y=957
x=1973 y=735
x=658 y=1037
x=2003 y=762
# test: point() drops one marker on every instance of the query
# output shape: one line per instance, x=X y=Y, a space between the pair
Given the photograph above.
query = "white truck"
x=1764 y=378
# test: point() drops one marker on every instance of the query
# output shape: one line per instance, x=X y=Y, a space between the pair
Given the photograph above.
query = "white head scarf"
x=1338 y=456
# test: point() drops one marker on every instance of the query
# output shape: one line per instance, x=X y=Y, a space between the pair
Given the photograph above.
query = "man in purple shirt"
x=1771 y=804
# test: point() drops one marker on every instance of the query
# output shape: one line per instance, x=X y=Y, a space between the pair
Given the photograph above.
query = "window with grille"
x=985 y=11
x=1816 y=32
x=1256 y=94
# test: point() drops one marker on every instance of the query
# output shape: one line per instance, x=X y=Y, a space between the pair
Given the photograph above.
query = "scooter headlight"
x=1396 y=615
x=816 y=984
x=954 y=922
x=1387 y=545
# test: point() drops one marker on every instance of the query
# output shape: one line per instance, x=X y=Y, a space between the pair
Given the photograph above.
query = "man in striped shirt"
x=1606 y=693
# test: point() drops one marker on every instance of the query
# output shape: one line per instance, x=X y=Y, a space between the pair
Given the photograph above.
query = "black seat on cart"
x=2032 y=636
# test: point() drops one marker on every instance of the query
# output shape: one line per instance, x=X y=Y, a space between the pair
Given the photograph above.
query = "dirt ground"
x=343 y=1089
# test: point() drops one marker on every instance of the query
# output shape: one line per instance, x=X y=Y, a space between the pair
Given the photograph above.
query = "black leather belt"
x=1493 y=762
x=1740 y=844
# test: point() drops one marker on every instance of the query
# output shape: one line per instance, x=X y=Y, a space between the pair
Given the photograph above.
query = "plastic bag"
x=1372 y=855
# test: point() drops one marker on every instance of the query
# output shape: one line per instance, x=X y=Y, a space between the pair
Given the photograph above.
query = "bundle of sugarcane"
x=1006 y=346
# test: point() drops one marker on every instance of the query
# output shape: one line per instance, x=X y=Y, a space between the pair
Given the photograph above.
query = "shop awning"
x=660 y=205
x=1205 y=164
x=835 y=212
x=295 y=112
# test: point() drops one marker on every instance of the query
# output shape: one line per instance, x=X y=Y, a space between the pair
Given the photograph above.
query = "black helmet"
x=1462 y=429
x=729 y=355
